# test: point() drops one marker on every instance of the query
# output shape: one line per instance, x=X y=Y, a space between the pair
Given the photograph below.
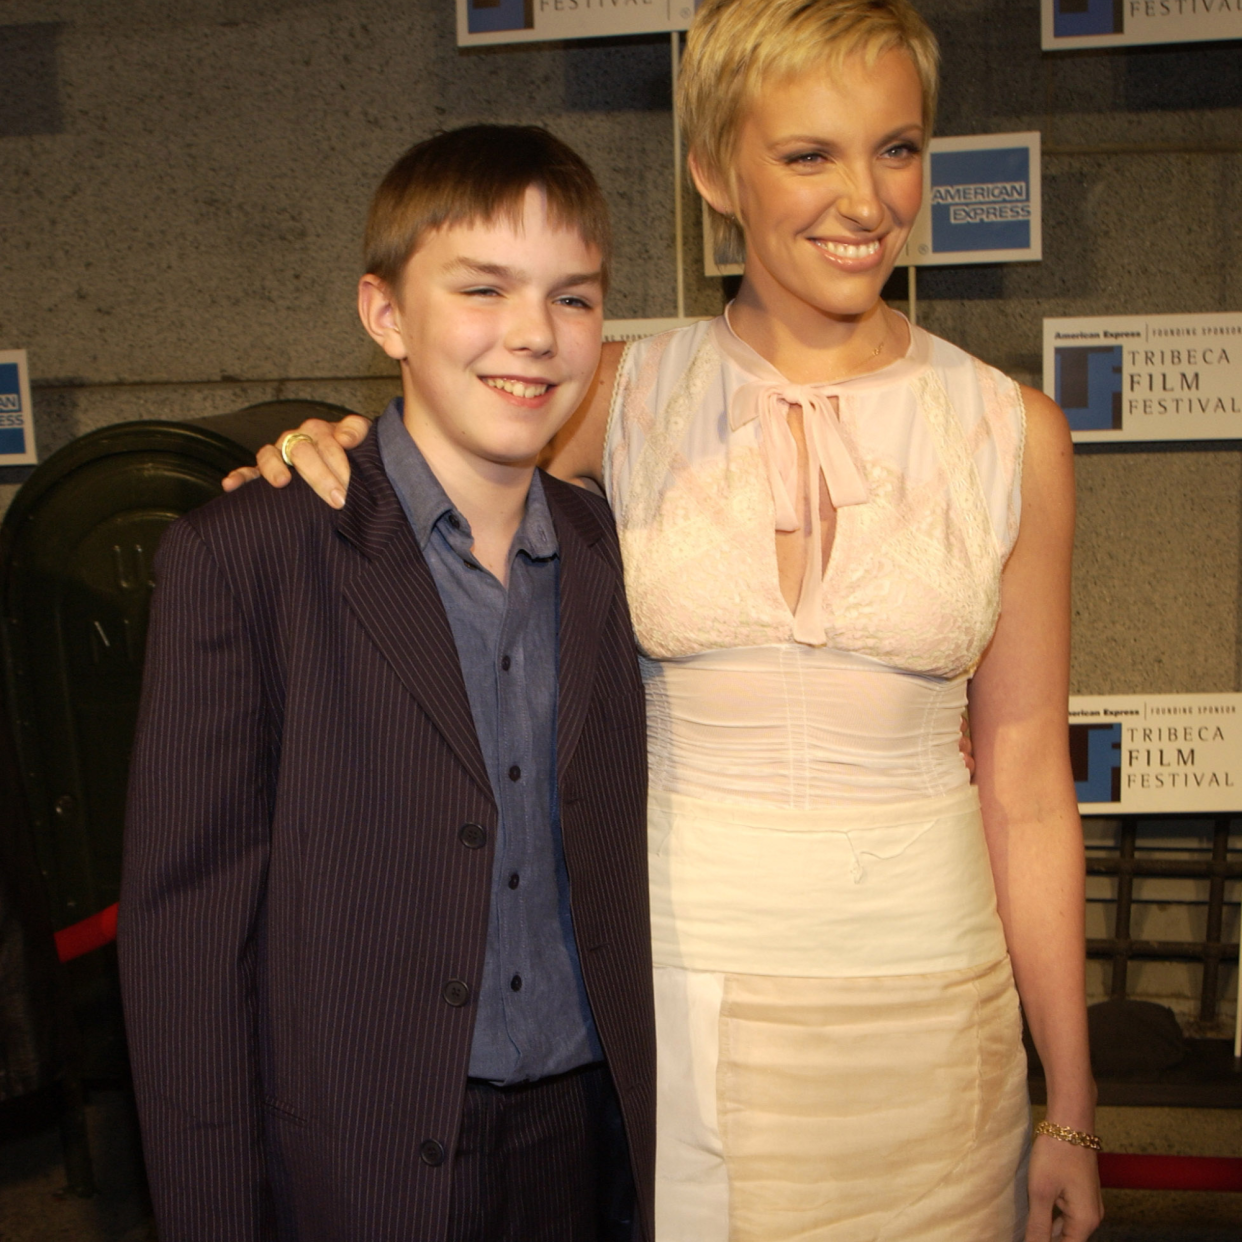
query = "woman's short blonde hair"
x=734 y=46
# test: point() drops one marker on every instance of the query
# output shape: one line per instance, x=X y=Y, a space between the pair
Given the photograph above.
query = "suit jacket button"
x=431 y=1152
x=456 y=993
x=472 y=836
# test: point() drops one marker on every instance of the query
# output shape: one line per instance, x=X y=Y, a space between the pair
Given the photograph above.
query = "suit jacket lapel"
x=587 y=586
x=395 y=599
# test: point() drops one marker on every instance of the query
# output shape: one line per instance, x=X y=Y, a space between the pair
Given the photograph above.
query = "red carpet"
x=91 y=933
x=1125 y=1172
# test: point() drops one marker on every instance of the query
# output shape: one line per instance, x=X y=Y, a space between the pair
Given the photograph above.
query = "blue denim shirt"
x=533 y=1018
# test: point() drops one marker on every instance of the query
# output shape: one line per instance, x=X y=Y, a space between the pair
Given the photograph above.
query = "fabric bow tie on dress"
x=827 y=453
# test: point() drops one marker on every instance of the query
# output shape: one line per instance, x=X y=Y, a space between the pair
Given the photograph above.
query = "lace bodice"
x=914 y=574
x=858 y=701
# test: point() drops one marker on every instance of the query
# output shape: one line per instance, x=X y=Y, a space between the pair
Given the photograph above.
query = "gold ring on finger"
x=294 y=437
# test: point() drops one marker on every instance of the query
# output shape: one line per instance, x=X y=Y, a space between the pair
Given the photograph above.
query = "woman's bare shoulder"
x=1047 y=429
x=1047 y=471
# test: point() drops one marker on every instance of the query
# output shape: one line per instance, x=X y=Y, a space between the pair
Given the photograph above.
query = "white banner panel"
x=17 y=439
x=1147 y=377
x=526 y=21
x=982 y=200
x=1156 y=754
x=1120 y=23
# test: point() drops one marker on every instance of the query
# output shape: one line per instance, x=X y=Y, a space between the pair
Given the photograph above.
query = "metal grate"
x=1122 y=948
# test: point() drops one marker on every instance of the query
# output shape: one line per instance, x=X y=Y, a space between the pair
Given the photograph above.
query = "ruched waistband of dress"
x=839 y=891
x=823 y=817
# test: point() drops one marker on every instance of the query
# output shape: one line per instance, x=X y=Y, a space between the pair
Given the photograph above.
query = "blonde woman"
x=838 y=532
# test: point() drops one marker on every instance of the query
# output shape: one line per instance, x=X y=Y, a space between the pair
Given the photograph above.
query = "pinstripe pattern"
x=536 y=1164
x=295 y=892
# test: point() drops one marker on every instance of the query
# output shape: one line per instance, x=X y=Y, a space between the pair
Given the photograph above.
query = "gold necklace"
x=879 y=349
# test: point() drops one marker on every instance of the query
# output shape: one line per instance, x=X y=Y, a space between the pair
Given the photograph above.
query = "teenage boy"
x=384 y=938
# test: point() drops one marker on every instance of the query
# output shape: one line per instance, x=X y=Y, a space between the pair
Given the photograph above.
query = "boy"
x=384 y=939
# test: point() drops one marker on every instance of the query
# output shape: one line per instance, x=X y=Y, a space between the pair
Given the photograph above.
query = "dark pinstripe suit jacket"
x=298 y=890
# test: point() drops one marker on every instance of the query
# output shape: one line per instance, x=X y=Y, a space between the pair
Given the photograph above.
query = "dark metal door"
x=75 y=554
x=76 y=550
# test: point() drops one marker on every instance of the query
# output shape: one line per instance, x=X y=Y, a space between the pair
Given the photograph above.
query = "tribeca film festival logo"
x=489 y=15
x=1156 y=752
x=1088 y=385
x=1075 y=18
x=1157 y=757
x=1095 y=383
x=981 y=200
x=1095 y=757
x=1164 y=377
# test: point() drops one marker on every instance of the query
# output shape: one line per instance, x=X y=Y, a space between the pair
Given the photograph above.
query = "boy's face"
x=497 y=330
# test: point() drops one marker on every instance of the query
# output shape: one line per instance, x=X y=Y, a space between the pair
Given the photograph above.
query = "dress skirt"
x=839 y=1037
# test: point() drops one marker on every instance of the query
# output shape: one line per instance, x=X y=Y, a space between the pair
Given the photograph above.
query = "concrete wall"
x=183 y=188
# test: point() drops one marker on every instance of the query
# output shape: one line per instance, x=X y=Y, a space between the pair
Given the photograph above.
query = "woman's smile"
x=850 y=256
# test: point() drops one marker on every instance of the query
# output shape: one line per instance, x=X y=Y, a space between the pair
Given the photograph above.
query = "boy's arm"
x=196 y=850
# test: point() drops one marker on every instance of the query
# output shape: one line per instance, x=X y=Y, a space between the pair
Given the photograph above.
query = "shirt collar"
x=426 y=503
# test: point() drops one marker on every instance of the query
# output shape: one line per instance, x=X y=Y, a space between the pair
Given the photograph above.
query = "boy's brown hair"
x=480 y=173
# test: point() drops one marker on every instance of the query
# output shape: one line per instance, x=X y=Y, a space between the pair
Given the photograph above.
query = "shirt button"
x=514 y=881
x=472 y=836
x=431 y=1152
x=515 y=773
x=505 y=663
x=455 y=993
x=516 y=983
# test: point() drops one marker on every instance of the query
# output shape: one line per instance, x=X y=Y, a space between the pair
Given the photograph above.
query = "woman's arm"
x=1019 y=700
x=575 y=454
x=322 y=462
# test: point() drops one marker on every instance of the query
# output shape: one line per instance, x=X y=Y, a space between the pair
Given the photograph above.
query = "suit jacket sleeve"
x=196 y=850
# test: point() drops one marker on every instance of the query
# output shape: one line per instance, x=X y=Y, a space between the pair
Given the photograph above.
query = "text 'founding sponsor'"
x=988 y=200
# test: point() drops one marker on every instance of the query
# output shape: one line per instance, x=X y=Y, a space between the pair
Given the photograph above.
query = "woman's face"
x=828 y=177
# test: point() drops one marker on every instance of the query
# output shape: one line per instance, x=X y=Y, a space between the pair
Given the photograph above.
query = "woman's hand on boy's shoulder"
x=320 y=460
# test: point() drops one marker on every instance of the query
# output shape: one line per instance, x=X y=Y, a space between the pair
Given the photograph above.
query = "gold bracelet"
x=1066 y=1135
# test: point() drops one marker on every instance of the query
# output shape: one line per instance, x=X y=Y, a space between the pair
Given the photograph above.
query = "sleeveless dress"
x=839 y=1037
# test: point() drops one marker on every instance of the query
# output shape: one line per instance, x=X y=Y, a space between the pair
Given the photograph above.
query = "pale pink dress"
x=838 y=1031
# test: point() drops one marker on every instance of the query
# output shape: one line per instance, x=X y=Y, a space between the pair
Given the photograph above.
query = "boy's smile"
x=497 y=328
